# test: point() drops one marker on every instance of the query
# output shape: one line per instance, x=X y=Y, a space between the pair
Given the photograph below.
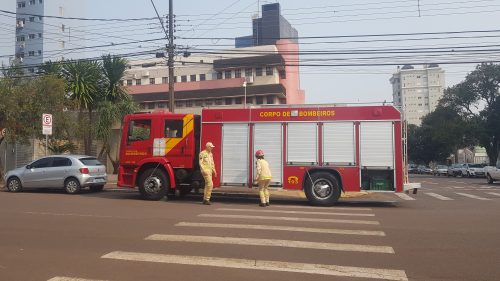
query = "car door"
x=34 y=176
x=58 y=171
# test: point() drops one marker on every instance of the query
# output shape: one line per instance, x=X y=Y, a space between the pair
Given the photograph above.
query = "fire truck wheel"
x=153 y=184
x=322 y=189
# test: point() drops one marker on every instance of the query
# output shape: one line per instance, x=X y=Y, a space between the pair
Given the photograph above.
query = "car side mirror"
x=29 y=167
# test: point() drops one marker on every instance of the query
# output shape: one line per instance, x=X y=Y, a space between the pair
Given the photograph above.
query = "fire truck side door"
x=139 y=141
x=179 y=147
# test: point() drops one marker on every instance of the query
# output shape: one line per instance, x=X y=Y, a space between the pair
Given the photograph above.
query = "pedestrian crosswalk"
x=451 y=196
x=223 y=227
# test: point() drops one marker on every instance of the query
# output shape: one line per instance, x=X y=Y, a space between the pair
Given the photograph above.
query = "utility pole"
x=171 y=49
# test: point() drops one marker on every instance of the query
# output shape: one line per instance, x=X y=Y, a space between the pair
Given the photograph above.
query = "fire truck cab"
x=323 y=150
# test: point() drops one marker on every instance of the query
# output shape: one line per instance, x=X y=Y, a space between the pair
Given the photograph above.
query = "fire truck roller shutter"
x=377 y=144
x=269 y=138
x=339 y=143
x=302 y=143
x=235 y=154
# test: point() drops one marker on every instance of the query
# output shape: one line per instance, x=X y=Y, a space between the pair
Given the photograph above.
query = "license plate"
x=99 y=180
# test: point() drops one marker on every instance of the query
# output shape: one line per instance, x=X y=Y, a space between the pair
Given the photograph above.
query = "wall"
x=289 y=51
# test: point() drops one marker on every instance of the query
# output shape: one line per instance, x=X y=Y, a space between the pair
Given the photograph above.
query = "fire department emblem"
x=293 y=180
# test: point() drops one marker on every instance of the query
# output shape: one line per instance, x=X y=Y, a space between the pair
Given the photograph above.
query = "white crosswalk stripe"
x=493 y=193
x=458 y=187
x=404 y=196
x=318 y=269
x=295 y=212
x=284 y=228
x=322 y=208
x=64 y=278
x=473 y=196
x=272 y=243
x=435 y=195
x=290 y=219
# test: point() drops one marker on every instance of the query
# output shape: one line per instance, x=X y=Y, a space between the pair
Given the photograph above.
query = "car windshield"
x=442 y=167
x=475 y=166
x=90 y=161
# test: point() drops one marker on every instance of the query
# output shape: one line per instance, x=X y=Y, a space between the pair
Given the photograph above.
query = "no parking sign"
x=47 y=124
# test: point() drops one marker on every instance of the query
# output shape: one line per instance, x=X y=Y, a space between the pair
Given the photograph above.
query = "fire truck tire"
x=153 y=184
x=322 y=189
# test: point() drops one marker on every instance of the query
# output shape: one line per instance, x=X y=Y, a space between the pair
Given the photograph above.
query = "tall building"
x=264 y=73
x=268 y=29
x=417 y=91
x=40 y=34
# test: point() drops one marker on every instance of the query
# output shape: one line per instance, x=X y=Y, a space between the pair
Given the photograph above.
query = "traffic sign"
x=47 y=124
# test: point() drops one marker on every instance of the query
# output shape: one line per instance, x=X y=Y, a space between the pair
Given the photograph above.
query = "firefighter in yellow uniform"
x=207 y=168
x=263 y=176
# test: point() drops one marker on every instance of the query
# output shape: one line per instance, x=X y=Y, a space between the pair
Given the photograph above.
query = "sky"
x=313 y=18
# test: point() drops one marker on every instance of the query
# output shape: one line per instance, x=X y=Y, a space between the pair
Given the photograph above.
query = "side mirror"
x=29 y=167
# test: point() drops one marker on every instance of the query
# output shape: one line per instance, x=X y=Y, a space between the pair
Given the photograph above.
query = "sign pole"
x=46 y=144
x=47 y=130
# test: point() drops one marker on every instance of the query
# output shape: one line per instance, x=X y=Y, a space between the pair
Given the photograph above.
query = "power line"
x=76 y=18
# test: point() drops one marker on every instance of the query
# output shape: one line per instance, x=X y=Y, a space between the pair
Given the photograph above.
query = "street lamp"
x=245 y=99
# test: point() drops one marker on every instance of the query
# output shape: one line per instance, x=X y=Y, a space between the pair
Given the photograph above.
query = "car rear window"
x=475 y=166
x=90 y=161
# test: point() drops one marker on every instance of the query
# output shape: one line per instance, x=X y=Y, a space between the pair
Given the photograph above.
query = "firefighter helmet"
x=259 y=153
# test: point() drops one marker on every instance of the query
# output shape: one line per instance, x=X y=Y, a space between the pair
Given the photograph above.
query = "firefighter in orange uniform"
x=263 y=176
x=207 y=168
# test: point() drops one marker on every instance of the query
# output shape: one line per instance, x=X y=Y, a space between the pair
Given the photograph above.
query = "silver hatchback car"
x=71 y=172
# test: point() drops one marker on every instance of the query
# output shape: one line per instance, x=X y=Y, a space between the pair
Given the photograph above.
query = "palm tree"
x=115 y=105
x=83 y=85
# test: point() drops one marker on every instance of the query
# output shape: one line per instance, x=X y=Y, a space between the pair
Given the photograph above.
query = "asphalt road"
x=450 y=230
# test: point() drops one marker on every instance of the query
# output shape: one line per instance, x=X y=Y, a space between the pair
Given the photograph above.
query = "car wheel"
x=96 y=188
x=489 y=178
x=72 y=186
x=14 y=184
x=322 y=189
x=153 y=184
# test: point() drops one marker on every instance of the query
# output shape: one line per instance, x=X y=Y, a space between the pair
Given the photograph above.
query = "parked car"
x=453 y=170
x=470 y=170
x=412 y=169
x=440 y=170
x=71 y=172
x=492 y=173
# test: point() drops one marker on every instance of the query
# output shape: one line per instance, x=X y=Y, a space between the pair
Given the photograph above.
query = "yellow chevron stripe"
x=188 y=128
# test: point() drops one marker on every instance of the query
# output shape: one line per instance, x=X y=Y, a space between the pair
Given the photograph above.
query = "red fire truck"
x=322 y=150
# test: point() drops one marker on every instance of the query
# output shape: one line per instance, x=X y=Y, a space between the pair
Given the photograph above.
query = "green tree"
x=477 y=101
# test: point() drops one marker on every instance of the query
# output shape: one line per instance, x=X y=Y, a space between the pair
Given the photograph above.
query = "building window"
x=270 y=100
x=229 y=101
x=219 y=75
x=32 y=19
x=208 y=102
x=184 y=78
x=138 y=81
x=203 y=77
x=282 y=74
x=21 y=4
x=129 y=82
x=39 y=52
x=189 y=103
x=31 y=70
x=151 y=105
x=269 y=71
x=32 y=2
x=164 y=80
x=192 y=78
x=227 y=74
x=179 y=104
x=162 y=105
x=40 y=1
x=260 y=100
x=20 y=39
x=31 y=53
x=176 y=79
x=238 y=100
x=31 y=36
x=198 y=102
x=63 y=27
x=248 y=72
x=40 y=18
x=237 y=73
x=218 y=101
x=258 y=71
x=152 y=81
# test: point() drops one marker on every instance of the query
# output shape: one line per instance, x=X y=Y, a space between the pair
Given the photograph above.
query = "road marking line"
x=485 y=186
x=284 y=228
x=323 y=208
x=318 y=269
x=461 y=182
x=440 y=197
x=70 y=215
x=290 y=219
x=295 y=212
x=459 y=187
x=64 y=278
x=272 y=243
x=493 y=193
x=472 y=196
x=404 y=196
